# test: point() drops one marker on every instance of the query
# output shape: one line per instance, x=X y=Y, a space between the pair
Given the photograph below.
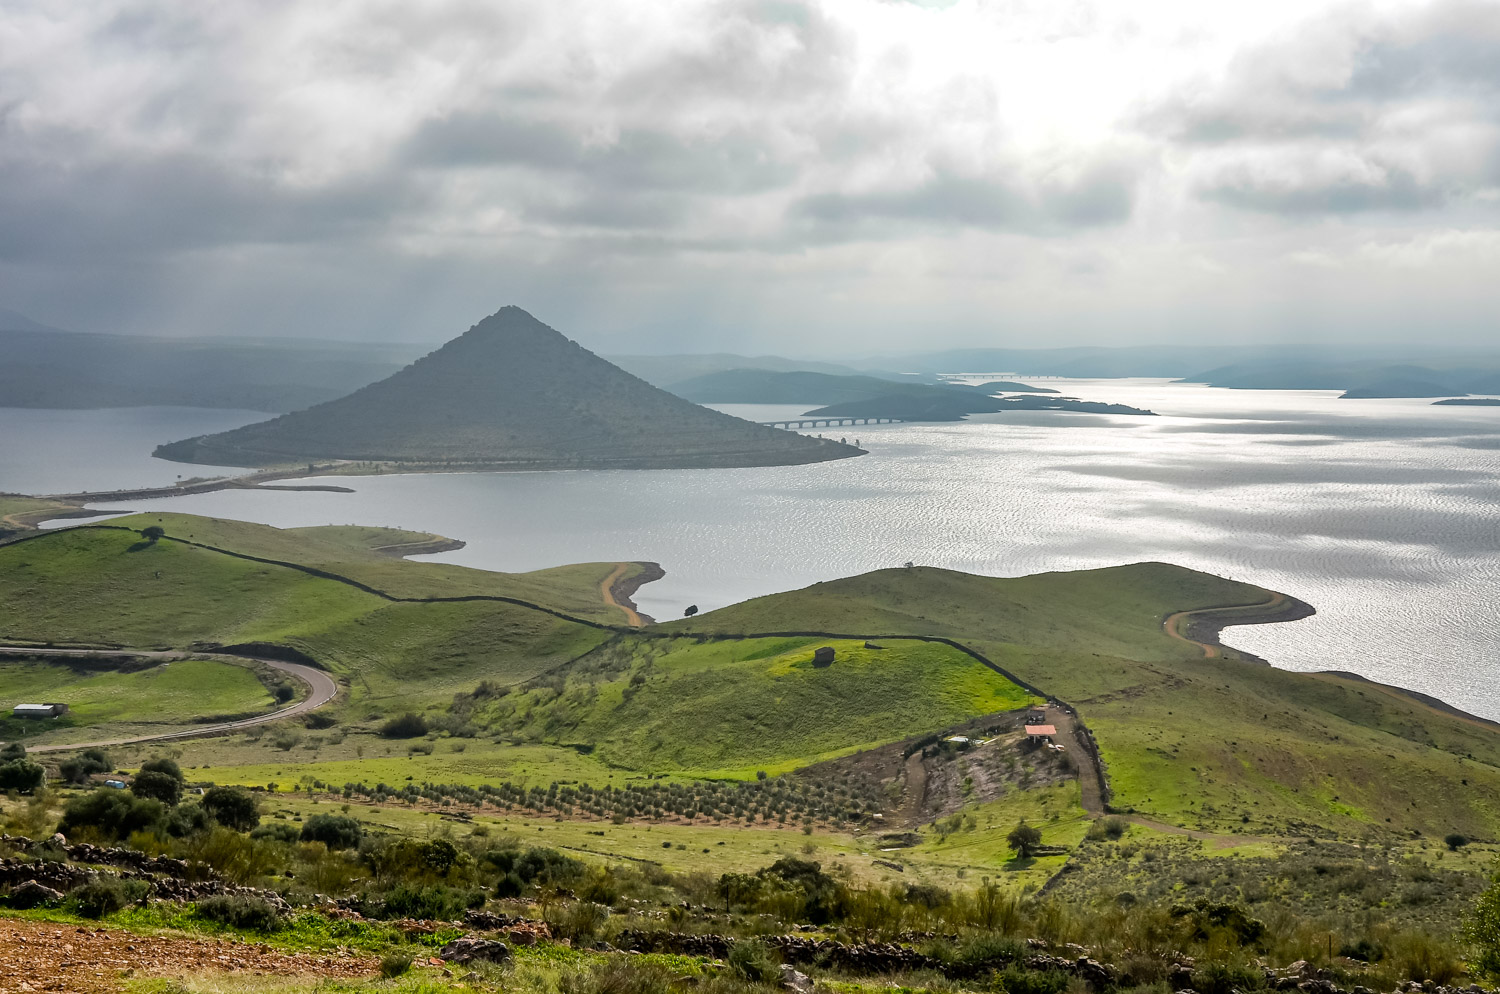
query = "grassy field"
x=107 y=587
x=728 y=709
x=108 y=703
x=372 y=556
x=1224 y=744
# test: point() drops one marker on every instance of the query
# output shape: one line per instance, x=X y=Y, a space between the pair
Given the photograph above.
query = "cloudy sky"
x=818 y=177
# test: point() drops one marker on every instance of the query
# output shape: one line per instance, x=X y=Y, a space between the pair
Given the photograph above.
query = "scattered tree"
x=1024 y=839
x=79 y=768
x=232 y=807
x=692 y=609
x=153 y=533
x=155 y=784
x=334 y=831
x=1456 y=841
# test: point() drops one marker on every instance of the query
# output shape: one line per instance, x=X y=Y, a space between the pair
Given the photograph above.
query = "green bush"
x=277 y=831
x=232 y=807
x=187 y=819
x=1224 y=978
x=396 y=964
x=1014 y=980
x=157 y=785
x=113 y=813
x=752 y=960
x=22 y=775
x=1111 y=828
x=334 y=831
x=105 y=895
x=406 y=726
x=242 y=911
x=163 y=764
x=433 y=902
x=78 y=769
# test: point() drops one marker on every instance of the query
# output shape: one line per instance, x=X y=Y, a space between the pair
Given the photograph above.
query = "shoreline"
x=621 y=589
x=1202 y=627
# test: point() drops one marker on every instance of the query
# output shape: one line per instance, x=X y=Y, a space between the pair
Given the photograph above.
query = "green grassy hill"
x=106 y=586
x=729 y=708
x=509 y=393
x=1225 y=744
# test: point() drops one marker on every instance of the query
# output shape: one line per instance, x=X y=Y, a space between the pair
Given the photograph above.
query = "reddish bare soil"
x=42 y=956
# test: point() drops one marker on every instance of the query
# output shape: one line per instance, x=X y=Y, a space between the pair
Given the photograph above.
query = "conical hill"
x=510 y=393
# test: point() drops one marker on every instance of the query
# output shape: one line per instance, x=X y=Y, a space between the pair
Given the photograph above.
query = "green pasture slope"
x=163 y=696
x=104 y=586
x=1227 y=745
x=732 y=708
x=1224 y=744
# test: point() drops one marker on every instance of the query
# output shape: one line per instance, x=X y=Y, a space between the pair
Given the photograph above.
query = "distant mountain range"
x=510 y=393
x=1362 y=378
x=43 y=367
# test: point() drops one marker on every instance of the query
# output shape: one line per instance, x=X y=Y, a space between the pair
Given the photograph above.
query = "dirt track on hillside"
x=321 y=689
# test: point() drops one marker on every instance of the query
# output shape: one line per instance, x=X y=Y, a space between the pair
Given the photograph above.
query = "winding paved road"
x=321 y=689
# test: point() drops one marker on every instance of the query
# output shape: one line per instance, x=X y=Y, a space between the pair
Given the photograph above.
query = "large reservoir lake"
x=1383 y=514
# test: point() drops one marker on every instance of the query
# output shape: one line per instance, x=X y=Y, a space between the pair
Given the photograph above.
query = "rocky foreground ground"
x=42 y=956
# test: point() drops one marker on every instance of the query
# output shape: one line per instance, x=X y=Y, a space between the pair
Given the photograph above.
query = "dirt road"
x=321 y=689
x=607 y=591
x=1090 y=782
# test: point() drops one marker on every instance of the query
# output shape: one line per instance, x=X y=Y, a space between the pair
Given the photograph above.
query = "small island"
x=1468 y=402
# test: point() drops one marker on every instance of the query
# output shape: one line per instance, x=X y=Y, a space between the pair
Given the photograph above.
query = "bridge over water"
x=797 y=423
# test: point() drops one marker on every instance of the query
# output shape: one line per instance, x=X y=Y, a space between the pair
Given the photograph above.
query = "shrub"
x=406 y=726
x=242 y=911
x=114 y=813
x=277 y=831
x=105 y=895
x=1112 y=828
x=579 y=922
x=334 y=831
x=22 y=775
x=1224 y=978
x=617 y=975
x=1455 y=841
x=1014 y=980
x=163 y=764
x=157 y=785
x=441 y=903
x=751 y=960
x=187 y=819
x=232 y=807
x=79 y=768
x=393 y=965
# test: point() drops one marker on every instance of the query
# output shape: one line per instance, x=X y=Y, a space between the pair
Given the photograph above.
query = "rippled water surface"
x=1383 y=514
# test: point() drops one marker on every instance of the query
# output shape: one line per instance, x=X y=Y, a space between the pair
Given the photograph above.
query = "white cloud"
x=685 y=170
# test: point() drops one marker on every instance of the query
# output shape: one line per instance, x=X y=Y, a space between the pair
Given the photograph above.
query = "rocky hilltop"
x=510 y=393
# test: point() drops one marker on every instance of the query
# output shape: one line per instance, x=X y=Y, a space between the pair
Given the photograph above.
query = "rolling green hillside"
x=105 y=586
x=727 y=708
x=1225 y=744
x=510 y=393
